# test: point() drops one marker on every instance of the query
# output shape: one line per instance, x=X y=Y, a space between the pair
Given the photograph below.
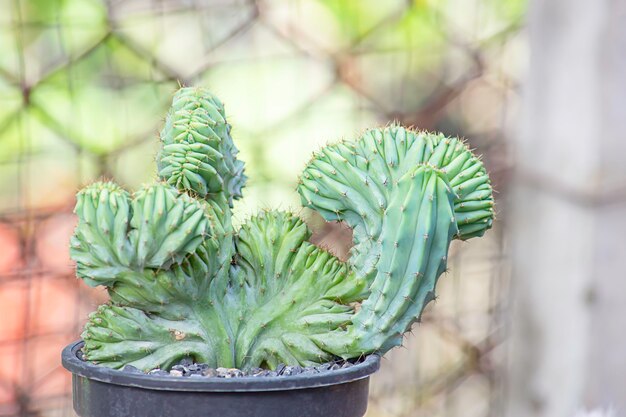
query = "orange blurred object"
x=10 y=250
x=13 y=310
x=53 y=241
x=11 y=371
x=53 y=305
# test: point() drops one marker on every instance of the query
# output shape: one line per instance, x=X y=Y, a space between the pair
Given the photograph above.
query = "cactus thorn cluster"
x=183 y=283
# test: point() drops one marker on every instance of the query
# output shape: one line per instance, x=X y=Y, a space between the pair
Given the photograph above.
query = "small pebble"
x=346 y=365
x=234 y=373
x=209 y=372
x=158 y=372
x=292 y=370
x=176 y=372
x=131 y=369
x=324 y=367
x=185 y=362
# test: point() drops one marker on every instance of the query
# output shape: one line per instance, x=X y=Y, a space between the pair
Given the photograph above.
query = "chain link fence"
x=85 y=84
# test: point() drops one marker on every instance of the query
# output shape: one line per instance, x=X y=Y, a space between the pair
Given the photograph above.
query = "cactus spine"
x=184 y=283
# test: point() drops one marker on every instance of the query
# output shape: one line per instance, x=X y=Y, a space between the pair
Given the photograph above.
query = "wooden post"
x=568 y=208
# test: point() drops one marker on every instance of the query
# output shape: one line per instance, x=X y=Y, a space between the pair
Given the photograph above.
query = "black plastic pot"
x=102 y=392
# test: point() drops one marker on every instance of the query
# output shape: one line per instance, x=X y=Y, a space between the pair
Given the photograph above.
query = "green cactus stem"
x=407 y=195
x=198 y=153
x=183 y=283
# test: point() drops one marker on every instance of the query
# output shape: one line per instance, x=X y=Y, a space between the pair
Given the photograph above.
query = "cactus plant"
x=184 y=283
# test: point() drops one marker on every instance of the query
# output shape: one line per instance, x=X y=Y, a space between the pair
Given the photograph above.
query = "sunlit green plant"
x=183 y=283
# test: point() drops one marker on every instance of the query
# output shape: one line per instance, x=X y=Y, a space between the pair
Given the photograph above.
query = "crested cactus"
x=183 y=283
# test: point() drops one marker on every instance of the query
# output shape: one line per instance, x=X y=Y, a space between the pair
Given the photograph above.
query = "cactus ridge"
x=184 y=283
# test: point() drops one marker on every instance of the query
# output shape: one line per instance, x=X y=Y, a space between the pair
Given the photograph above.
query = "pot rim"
x=242 y=384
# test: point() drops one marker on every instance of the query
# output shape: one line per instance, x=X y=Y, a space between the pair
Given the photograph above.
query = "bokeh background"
x=85 y=84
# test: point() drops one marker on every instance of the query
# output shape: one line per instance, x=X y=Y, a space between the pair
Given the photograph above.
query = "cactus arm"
x=99 y=245
x=198 y=154
x=129 y=335
x=406 y=195
x=473 y=195
x=157 y=228
x=353 y=181
x=205 y=271
x=288 y=291
x=116 y=336
x=165 y=252
x=160 y=252
x=418 y=227
x=165 y=227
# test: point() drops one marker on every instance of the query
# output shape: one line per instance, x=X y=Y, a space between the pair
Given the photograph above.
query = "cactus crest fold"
x=184 y=283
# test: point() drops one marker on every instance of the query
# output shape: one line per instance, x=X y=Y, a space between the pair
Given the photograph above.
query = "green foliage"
x=184 y=283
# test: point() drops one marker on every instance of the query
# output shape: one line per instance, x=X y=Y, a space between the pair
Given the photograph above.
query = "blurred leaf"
x=136 y=166
x=107 y=100
x=276 y=157
x=334 y=116
x=52 y=12
x=263 y=92
x=183 y=40
x=101 y=120
x=50 y=168
x=45 y=34
x=356 y=18
x=512 y=11
x=416 y=32
x=471 y=21
x=11 y=100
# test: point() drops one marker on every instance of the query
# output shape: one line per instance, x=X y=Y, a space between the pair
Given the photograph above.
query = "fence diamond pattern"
x=84 y=85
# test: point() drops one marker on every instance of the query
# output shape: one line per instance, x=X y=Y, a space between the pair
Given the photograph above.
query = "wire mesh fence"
x=84 y=85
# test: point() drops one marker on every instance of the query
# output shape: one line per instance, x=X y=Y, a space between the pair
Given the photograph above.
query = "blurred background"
x=84 y=87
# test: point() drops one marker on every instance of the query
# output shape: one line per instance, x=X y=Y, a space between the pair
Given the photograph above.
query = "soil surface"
x=190 y=369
